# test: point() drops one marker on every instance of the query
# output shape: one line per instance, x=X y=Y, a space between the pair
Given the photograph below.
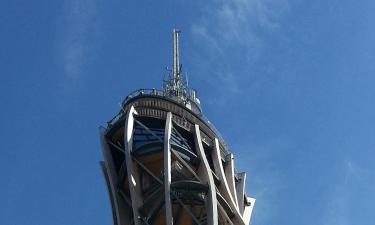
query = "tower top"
x=175 y=85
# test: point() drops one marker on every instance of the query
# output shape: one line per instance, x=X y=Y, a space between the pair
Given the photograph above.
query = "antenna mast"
x=175 y=86
x=176 y=57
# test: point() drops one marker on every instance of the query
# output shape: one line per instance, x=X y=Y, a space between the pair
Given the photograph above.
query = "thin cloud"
x=229 y=37
x=237 y=23
x=341 y=204
x=79 y=20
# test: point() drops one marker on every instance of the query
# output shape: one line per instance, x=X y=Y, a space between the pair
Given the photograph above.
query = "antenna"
x=176 y=60
x=176 y=56
x=175 y=85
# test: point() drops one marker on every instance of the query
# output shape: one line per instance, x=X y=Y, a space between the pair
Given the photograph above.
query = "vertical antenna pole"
x=176 y=58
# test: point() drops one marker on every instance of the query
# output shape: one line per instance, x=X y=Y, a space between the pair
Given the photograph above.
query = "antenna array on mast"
x=175 y=85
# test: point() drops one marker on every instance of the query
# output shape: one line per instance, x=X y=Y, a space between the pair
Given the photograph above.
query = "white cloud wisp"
x=229 y=33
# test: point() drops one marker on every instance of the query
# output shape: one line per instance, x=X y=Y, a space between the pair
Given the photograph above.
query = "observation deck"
x=154 y=103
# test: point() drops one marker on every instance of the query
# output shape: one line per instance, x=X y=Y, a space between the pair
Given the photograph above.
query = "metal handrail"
x=156 y=92
x=160 y=93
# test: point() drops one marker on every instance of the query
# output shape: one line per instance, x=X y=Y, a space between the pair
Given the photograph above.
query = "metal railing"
x=160 y=93
x=195 y=106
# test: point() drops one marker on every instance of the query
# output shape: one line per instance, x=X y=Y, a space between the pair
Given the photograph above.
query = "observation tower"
x=165 y=163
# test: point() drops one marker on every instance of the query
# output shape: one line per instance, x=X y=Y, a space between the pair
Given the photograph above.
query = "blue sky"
x=290 y=85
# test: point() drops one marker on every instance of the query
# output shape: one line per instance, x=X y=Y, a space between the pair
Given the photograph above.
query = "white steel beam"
x=206 y=175
x=111 y=174
x=248 y=210
x=224 y=215
x=112 y=198
x=224 y=187
x=167 y=169
x=240 y=189
x=229 y=174
x=132 y=172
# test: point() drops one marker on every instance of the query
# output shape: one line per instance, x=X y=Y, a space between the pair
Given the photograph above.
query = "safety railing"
x=160 y=93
